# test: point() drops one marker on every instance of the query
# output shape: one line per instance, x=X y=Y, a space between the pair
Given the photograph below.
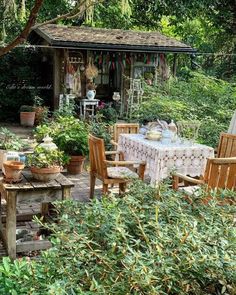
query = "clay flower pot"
x=45 y=174
x=13 y=170
x=27 y=119
x=75 y=166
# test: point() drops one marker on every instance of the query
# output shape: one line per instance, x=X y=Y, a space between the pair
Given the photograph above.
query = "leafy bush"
x=67 y=109
x=101 y=130
x=199 y=97
x=148 y=242
x=68 y=133
x=107 y=113
x=10 y=141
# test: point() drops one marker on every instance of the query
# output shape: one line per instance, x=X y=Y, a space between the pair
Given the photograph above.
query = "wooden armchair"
x=227 y=145
x=117 y=173
x=220 y=173
x=124 y=128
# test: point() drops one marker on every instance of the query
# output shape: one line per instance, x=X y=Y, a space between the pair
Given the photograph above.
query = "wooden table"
x=29 y=190
x=164 y=158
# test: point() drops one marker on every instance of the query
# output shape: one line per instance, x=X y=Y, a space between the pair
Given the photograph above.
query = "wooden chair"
x=124 y=128
x=227 y=146
x=99 y=167
x=220 y=173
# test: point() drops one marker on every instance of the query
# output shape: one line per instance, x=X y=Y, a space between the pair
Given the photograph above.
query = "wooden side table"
x=85 y=103
x=24 y=192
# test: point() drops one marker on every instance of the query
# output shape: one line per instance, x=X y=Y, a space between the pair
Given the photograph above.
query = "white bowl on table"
x=153 y=135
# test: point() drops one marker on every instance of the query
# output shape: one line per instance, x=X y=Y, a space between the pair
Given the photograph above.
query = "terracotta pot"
x=13 y=170
x=27 y=118
x=45 y=174
x=75 y=166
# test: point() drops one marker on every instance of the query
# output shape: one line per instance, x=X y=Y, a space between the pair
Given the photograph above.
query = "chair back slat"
x=232 y=177
x=220 y=173
x=227 y=146
x=97 y=156
x=125 y=128
x=223 y=174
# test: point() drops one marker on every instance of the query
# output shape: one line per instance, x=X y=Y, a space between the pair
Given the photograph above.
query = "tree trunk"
x=24 y=34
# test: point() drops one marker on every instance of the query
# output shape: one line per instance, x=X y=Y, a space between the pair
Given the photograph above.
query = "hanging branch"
x=79 y=10
x=24 y=34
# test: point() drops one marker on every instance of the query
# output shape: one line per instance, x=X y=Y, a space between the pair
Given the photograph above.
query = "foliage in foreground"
x=147 y=242
x=197 y=97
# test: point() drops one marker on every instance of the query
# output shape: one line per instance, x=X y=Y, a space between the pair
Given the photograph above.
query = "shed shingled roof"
x=110 y=39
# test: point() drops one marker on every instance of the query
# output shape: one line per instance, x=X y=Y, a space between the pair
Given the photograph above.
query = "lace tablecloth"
x=162 y=159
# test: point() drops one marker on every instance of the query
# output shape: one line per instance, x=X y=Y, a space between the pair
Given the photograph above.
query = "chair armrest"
x=114 y=143
x=107 y=153
x=177 y=176
x=120 y=153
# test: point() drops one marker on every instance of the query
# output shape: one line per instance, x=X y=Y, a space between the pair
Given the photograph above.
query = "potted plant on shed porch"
x=27 y=115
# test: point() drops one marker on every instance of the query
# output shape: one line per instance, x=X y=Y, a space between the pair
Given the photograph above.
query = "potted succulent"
x=46 y=164
x=27 y=115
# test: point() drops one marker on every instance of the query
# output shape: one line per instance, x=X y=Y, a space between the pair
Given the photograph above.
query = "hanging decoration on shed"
x=91 y=70
x=72 y=68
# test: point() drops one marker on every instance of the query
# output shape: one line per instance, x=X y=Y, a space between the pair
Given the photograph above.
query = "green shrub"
x=148 y=242
x=101 y=130
x=107 y=113
x=10 y=141
x=68 y=133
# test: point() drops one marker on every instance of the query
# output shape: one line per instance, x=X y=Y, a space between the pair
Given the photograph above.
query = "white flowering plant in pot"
x=46 y=164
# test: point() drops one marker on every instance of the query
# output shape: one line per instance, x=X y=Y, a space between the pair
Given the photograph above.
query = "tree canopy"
x=209 y=26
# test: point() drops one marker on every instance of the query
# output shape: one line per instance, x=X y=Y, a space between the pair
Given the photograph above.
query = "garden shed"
x=112 y=60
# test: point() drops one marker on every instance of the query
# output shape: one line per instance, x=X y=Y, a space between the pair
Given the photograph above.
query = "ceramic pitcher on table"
x=91 y=94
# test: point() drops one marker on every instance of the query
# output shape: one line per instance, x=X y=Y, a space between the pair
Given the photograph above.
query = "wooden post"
x=56 y=77
x=11 y=224
x=66 y=193
x=175 y=64
x=44 y=209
